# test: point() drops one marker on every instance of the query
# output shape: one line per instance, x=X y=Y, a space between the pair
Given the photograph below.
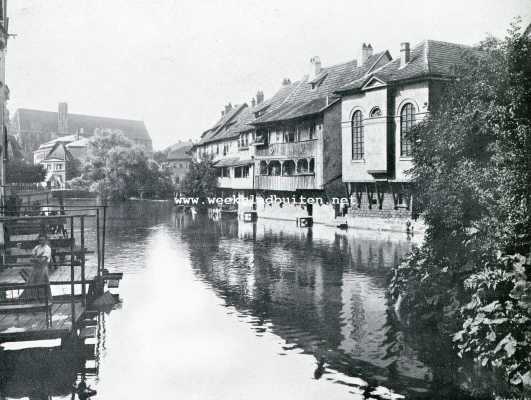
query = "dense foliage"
x=200 y=181
x=117 y=170
x=472 y=170
x=19 y=171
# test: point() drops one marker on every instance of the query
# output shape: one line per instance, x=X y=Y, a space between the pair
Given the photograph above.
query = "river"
x=222 y=309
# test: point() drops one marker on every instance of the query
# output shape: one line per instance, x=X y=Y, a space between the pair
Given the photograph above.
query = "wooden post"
x=103 y=237
x=46 y=303
x=72 y=274
x=98 y=239
x=83 y=289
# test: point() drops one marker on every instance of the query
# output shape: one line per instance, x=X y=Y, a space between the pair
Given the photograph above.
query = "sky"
x=174 y=64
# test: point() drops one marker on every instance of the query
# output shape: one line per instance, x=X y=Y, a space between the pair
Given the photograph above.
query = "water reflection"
x=231 y=310
x=320 y=289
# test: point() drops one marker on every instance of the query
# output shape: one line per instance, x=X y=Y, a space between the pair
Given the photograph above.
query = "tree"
x=19 y=171
x=73 y=169
x=200 y=181
x=118 y=170
x=472 y=173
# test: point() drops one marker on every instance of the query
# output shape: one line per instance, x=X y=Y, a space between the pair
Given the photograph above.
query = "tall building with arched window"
x=378 y=113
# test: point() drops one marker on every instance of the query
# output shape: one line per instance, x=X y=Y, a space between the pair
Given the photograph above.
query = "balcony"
x=286 y=183
x=307 y=148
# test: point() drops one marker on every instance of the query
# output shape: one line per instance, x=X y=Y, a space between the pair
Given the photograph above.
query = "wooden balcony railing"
x=285 y=183
x=307 y=148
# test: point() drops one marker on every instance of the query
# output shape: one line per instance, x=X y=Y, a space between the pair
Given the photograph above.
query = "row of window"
x=239 y=172
x=287 y=167
x=55 y=167
x=407 y=120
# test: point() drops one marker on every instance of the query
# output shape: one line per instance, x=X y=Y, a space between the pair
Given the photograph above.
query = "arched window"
x=407 y=120
x=263 y=168
x=312 y=165
x=302 y=166
x=274 y=168
x=375 y=112
x=357 y=136
x=288 y=167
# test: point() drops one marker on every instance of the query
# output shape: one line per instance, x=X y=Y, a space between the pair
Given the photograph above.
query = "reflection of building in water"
x=321 y=289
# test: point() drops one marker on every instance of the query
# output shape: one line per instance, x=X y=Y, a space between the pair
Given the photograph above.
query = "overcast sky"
x=174 y=64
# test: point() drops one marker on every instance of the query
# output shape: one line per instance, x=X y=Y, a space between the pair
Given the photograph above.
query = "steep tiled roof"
x=46 y=121
x=311 y=96
x=220 y=129
x=241 y=118
x=429 y=58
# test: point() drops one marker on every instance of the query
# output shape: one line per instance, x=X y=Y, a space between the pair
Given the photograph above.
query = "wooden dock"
x=28 y=326
x=60 y=312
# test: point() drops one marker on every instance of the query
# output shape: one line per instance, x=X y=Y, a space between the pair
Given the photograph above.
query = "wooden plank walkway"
x=60 y=274
x=33 y=325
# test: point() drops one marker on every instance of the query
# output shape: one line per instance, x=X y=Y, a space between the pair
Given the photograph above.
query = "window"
x=245 y=171
x=263 y=168
x=274 y=168
x=407 y=120
x=302 y=166
x=357 y=136
x=289 y=135
x=225 y=172
x=375 y=112
x=238 y=172
x=312 y=165
x=288 y=168
x=312 y=131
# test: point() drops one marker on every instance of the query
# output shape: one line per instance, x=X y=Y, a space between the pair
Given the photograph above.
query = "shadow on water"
x=323 y=291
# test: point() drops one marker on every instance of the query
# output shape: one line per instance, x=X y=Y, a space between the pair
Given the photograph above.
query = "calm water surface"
x=228 y=310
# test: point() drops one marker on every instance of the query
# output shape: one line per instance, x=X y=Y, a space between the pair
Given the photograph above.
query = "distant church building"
x=35 y=127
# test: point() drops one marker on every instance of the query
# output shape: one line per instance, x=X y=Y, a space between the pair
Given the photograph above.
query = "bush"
x=496 y=331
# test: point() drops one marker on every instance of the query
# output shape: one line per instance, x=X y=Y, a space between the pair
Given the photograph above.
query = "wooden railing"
x=287 y=183
x=17 y=188
x=307 y=148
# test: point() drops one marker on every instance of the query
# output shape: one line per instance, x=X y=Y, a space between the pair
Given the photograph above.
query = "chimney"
x=62 y=119
x=315 y=67
x=286 y=82
x=228 y=107
x=253 y=102
x=404 y=53
x=366 y=52
x=259 y=97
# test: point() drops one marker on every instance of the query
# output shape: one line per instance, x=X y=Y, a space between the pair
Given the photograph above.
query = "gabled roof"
x=312 y=96
x=58 y=152
x=430 y=58
x=46 y=121
x=220 y=129
x=61 y=139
